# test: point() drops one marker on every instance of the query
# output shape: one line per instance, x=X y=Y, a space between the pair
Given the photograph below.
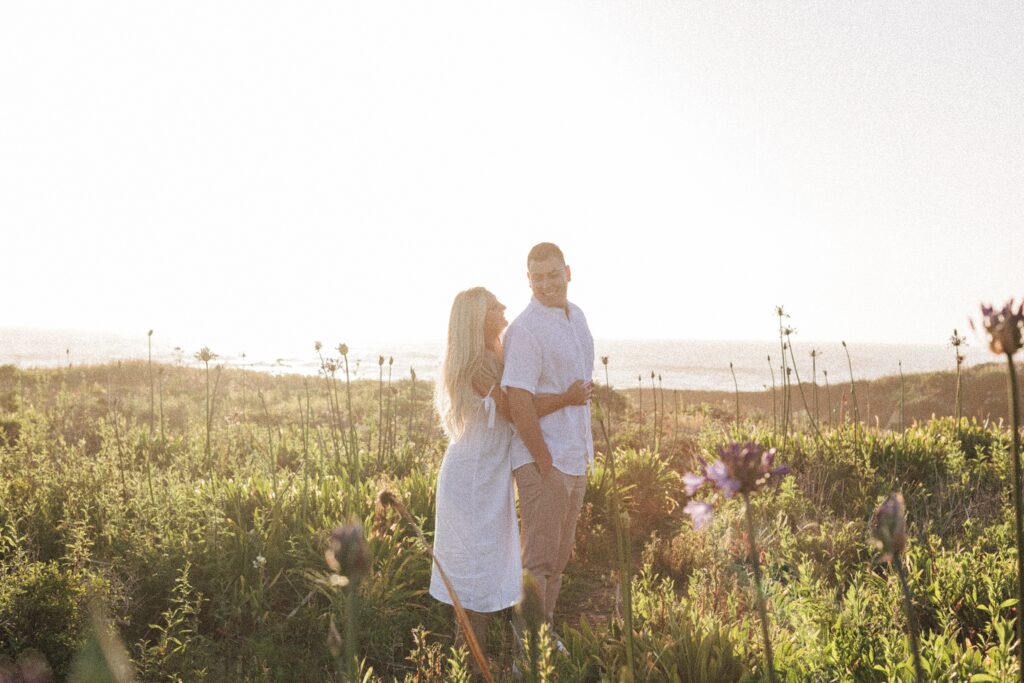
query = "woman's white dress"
x=476 y=536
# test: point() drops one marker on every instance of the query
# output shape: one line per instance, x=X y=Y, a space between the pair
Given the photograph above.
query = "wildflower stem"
x=762 y=608
x=640 y=408
x=814 y=380
x=152 y=392
x=803 y=399
x=351 y=632
x=353 y=443
x=736 y=387
x=828 y=398
x=908 y=608
x=853 y=399
x=1015 y=453
x=621 y=541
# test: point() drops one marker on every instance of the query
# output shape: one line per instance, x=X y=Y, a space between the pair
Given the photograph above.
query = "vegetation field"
x=170 y=523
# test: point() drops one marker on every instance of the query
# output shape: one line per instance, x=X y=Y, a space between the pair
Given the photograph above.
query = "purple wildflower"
x=701 y=513
x=741 y=468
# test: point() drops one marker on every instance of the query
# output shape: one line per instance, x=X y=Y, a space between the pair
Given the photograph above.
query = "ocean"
x=680 y=364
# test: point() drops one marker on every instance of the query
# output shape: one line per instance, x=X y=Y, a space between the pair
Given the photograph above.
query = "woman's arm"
x=576 y=395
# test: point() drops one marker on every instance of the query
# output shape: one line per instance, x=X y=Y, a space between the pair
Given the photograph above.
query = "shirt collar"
x=554 y=311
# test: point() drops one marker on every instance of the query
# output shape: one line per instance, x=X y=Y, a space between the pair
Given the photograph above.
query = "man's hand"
x=524 y=416
x=579 y=393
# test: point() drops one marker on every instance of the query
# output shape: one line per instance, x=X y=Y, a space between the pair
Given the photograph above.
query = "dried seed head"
x=205 y=355
x=387 y=498
x=391 y=361
x=604 y=360
x=380 y=361
x=343 y=349
x=150 y=333
x=412 y=372
x=889 y=527
x=317 y=346
x=348 y=553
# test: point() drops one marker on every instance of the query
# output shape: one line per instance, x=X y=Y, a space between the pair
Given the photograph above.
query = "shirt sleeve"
x=522 y=360
x=588 y=343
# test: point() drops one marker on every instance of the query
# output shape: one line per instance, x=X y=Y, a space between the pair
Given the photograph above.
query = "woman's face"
x=494 y=320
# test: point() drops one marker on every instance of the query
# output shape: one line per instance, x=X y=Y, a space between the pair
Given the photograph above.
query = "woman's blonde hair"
x=464 y=355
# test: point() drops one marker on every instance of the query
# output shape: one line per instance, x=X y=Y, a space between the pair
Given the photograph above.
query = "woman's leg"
x=479 y=621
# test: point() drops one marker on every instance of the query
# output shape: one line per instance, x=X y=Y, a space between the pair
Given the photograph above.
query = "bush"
x=41 y=609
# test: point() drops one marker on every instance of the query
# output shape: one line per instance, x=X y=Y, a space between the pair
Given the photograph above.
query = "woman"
x=476 y=537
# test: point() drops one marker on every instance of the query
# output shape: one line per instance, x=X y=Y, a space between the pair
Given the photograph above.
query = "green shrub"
x=40 y=609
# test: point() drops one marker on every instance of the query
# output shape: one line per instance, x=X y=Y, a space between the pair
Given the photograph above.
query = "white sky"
x=338 y=171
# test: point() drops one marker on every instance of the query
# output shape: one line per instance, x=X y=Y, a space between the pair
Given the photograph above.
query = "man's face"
x=549 y=280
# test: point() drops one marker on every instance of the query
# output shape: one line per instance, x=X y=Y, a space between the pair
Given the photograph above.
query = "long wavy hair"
x=463 y=355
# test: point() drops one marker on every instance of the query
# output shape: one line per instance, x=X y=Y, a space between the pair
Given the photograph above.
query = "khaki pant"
x=549 y=507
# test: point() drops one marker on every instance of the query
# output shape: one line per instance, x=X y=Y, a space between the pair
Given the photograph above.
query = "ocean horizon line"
x=676 y=363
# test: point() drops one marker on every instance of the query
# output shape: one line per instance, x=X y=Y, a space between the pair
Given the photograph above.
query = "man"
x=547 y=348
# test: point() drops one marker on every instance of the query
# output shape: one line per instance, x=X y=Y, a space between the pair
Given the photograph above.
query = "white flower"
x=259 y=562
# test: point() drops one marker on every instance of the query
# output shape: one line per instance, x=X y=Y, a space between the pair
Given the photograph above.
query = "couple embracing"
x=514 y=406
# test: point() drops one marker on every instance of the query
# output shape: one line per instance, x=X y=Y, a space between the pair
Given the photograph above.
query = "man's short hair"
x=544 y=251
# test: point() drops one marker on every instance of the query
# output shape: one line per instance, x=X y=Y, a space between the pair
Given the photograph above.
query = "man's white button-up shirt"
x=545 y=352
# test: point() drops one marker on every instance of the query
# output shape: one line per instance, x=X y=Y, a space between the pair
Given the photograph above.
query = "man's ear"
x=568 y=274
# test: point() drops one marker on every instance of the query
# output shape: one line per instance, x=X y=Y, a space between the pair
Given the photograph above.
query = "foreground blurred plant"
x=889 y=527
x=531 y=611
x=744 y=469
x=1004 y=328
x=348 y=556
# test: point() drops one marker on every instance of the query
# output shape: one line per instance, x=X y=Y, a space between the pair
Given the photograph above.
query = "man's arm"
x=524 y=417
